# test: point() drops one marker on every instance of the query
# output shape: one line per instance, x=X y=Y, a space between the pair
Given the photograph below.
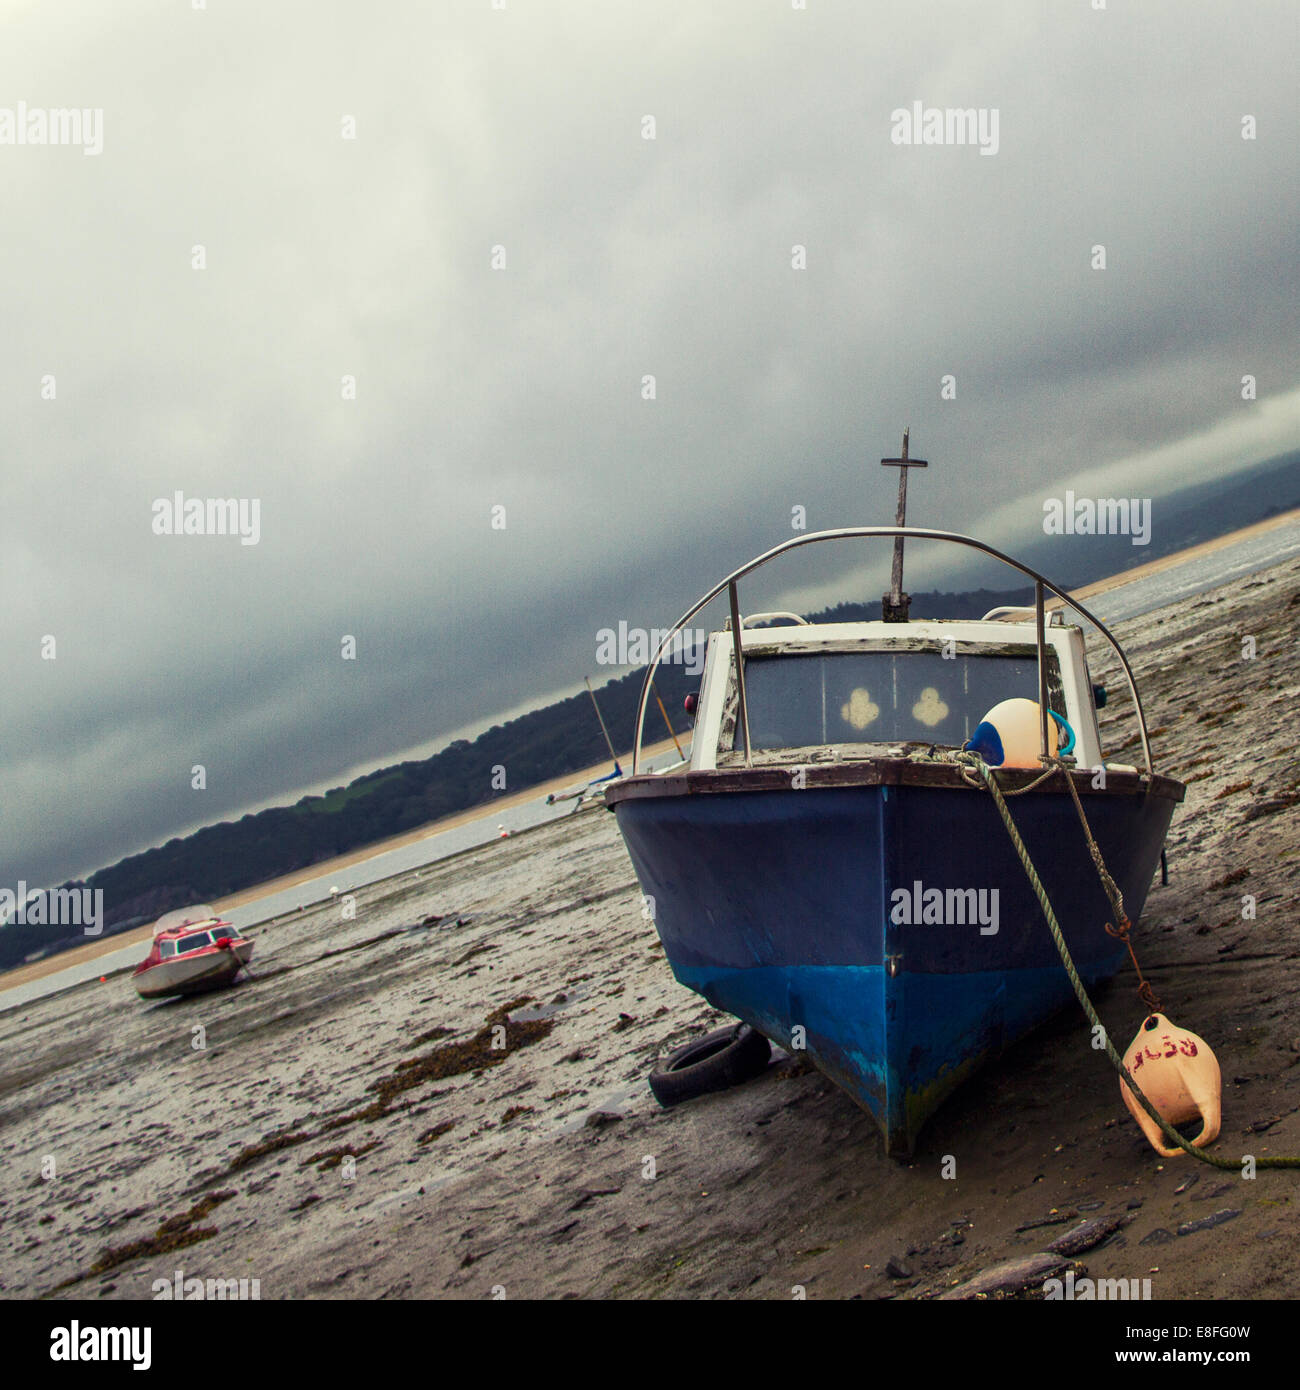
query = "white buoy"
x=1010 y=735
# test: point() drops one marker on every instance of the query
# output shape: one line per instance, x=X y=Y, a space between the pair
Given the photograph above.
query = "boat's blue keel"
x=888 y=932
x=898 y=1046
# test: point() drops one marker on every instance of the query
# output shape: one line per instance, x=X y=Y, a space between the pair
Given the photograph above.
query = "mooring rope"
x=1112 y=890
x=986 y=773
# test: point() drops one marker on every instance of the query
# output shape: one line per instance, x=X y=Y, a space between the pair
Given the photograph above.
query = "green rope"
x=1081 y=994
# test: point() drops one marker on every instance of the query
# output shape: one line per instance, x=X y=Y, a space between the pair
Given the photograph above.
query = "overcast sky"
x=521 y=387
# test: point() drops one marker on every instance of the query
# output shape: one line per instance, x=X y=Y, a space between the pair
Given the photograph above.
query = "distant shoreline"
x=22 y=974
x=92 y=950
x=1258 y=528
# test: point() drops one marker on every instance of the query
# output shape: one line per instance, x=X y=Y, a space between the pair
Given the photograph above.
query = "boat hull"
x=793 y=910
x=213 y=968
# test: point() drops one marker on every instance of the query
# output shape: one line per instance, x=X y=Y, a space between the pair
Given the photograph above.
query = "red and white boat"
x=193 y=950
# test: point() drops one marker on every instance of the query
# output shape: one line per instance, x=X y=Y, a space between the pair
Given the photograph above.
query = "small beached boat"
x=830 y=869
x=193 y=950
x=592 y=793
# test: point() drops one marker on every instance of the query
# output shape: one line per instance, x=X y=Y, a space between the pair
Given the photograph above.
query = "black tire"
x=714 y=1062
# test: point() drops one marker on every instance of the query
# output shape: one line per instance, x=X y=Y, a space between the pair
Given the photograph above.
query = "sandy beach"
x=343 y=1126
x=1168 y=562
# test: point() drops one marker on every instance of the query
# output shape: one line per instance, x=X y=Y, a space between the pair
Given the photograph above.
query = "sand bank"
x=1168 y=562
x=93 y=950
x=341 y=1127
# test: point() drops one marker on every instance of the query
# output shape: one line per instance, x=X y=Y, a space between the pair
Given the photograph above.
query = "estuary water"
x=1131 y=599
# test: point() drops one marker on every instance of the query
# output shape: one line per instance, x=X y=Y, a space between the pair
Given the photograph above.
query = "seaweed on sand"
x=487 y=1048
x=436 y=1131
x=174 y=1233
x=331 y=1158
x=267 y=1146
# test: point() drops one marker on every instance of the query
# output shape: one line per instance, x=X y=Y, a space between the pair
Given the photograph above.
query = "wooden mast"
x=895 y=604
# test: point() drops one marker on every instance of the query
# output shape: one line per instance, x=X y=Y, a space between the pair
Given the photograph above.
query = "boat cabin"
x=819 y=692
x=186 y=940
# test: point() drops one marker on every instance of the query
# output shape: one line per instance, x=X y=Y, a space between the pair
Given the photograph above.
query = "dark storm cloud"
x=521 y=387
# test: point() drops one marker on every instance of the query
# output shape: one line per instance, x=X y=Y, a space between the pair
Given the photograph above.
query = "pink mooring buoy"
x=1179 y=1075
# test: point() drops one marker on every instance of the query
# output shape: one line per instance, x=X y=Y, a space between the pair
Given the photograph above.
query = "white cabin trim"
x=1064 y=639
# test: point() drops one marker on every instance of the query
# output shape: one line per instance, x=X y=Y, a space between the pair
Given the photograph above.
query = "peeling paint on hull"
x=775 y=906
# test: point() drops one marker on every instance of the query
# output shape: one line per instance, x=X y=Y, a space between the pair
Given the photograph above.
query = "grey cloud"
x=521 y=387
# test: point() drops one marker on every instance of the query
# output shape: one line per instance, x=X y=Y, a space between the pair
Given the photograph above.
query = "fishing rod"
x=672 y=733
x=608 y=741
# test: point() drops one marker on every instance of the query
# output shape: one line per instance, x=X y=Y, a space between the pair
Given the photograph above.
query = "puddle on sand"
x=617 y=1102
x=534 y=1013
x=413 y=1193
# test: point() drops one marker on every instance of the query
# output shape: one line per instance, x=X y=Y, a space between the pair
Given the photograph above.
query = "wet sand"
x=347 y=1129
x=93 y=950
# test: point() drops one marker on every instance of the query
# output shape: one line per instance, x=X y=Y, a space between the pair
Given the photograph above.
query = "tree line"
x=547 y=743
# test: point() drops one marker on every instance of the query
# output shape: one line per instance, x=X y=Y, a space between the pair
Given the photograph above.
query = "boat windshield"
x=809 y=700
x=193 y=943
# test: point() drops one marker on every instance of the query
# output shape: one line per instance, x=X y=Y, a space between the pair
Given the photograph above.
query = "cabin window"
x=193 y=943
x=800 y=701
x=166 y=949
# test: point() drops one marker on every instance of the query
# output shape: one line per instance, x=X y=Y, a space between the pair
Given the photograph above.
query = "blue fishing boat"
x=828 y=869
